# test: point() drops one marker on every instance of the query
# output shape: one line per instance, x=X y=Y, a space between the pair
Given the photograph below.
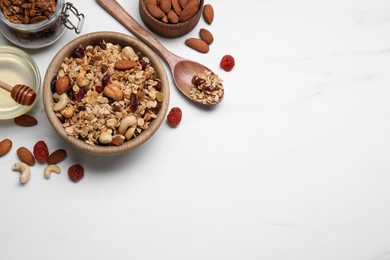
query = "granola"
x=208 y=87
x=107 y=104
x=27 y=11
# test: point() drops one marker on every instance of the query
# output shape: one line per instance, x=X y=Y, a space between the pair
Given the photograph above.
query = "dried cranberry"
x=102 y=45
x=227 y=62
x=76 y=172
x=78 y=52
x=99 y=88
x=174 y=117
x=77 y=96
x=133 y=102
x=40 y=151
x=53 y=84
x=105 y=80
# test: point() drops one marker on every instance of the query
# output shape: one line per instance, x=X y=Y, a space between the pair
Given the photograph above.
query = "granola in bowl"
x=106 y=94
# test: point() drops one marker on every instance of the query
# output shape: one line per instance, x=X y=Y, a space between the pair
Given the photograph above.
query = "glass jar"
x=46 y=32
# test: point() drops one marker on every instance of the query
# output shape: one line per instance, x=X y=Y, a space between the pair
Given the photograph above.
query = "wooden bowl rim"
x=92 y=39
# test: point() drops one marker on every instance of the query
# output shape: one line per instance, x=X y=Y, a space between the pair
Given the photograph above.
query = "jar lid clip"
x=69 y=9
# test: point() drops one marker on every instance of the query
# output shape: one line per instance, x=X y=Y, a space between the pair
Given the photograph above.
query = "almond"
x=25 y=120
x=62 y=84
x=183 y=3
x=172 y=17
x=208 y=13
x=57 y=156
x=197 y=44
x=176 y=7
x=206 y=35
x=165 y=5
x=5 y=146
x=125 y=64
x=189 y=10
x=155 y=11
x=26 y=156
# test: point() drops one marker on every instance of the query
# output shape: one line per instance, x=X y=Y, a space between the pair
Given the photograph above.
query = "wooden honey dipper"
x=22 y=94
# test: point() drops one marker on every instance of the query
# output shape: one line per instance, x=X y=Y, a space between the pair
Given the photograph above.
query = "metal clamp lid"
x=67 y=10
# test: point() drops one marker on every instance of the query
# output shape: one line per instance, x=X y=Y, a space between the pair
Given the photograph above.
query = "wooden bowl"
x=169 y=30
x=94 y=39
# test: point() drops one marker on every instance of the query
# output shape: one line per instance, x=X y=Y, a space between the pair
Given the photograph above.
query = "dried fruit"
x=56 y=156
x=26 y=156
x=206 y=36
x=40 y=151
x=174 y=116
x=227 y=62
x=197 y=44
x=5 y=146
x=26 y=120
x=76 y=172
x=208 y=13
x=78 y=52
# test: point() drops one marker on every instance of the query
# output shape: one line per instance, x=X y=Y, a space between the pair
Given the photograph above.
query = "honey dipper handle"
x=5 y=86
x=120 y=14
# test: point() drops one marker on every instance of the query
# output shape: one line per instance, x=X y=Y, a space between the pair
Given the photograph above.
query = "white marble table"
x=293 y=164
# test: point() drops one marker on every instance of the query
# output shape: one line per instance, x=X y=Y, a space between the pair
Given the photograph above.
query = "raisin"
x=78 y=52
x=102 y=45
x=41 y=152
x=76 y=172
x=106 y=80
x=53 y=84
x=174 y=117
x=133 y=102
x=227 y=62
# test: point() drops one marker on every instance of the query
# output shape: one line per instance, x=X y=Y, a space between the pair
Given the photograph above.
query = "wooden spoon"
x=22 y=94
x=183 y=70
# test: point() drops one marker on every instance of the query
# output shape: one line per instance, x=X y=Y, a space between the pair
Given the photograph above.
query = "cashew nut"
x=130 y=132
x=127 y=122
x=49 y=169
x=129 y=53
x=67 y=112
x=81 y=81
x=62 y=101
x=24 y=170
x=105 y=138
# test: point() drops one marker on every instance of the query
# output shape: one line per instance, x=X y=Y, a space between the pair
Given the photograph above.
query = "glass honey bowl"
x=40 y=31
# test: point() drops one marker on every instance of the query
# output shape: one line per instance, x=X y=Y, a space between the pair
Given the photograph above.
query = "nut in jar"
x=35 y=24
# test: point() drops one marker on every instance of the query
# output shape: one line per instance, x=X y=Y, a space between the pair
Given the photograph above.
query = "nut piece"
x=112 y=91
x=172 y=17
x=126 y=123
x=208 y=13
x=62 y=101
x=165 y=6
x=62 y=84
x=24 y=170
x=26 y=120
x=56 y=156
x=189 y=10
x=125 y=64
x=49 y=169
x=5 y=146
x=206 y=36
x=155 y=11
x=197 y=44
x=105 y=138
x=26 y=156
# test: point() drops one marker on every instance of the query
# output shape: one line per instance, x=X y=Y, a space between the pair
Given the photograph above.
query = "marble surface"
x=293 y=164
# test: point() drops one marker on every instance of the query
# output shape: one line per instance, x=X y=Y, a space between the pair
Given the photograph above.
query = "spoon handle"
x=5 y=86
x=120 y=14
